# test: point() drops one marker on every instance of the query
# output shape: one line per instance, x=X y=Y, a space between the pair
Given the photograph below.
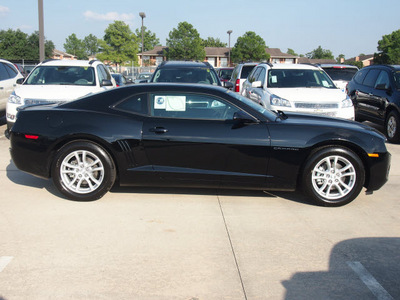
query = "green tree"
x=75 y=46
x=91 y=45
x=120 y=45
x=358 y=64
x=389 y=47
x=184 y=43
x=291 y=52
x=249 y=47
x=17 y=45
x=212 y=42
x=150 y=39
x=320 y=53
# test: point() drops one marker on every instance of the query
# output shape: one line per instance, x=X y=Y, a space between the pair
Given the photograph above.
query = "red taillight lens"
x=237 y=86
x=31 y=137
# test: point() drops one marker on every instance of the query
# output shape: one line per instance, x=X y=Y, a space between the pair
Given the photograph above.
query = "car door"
x=365 y=95
x=8 y=78
x=192 y=139
x=379 y=96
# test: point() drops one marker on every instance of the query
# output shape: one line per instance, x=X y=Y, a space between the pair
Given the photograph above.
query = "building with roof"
x=366 y=60
x=57 y=54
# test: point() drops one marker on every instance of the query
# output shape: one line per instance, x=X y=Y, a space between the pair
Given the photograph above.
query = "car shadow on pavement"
x=361 y=268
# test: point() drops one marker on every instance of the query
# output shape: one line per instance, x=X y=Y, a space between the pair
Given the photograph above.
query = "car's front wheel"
x=392 y=127
x=83 y=171
x=333 y=176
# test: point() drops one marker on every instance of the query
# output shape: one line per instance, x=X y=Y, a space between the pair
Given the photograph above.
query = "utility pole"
x=41 y=31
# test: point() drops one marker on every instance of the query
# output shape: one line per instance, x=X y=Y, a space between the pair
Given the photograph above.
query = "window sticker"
x=176 y=103
x=325 y=83
x=274 y=79
x=159 y=102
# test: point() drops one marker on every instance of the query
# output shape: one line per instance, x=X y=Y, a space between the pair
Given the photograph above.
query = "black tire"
x=83 y=171
x=325 y=183
x=392 y=127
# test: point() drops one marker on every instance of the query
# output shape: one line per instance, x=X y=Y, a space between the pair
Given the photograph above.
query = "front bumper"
x=379 y=169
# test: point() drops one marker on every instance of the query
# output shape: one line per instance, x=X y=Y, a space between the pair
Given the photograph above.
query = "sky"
x=348 y=27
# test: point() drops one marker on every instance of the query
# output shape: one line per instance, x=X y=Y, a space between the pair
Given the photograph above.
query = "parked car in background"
x=340 y=74
x=297 y=88
x=143 y=77
x=159 y=135
x=8 y=82
x=224 y=73
x=375 y=91
x=186 y=72
x=239 y=75
x=120 y=79
x=59 y=81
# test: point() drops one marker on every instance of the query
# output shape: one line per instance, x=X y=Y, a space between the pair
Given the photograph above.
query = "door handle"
x=158 y=130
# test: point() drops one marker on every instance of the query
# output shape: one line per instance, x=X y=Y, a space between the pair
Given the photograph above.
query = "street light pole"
x=41 y=31
x=229 y=56
x=142 y=15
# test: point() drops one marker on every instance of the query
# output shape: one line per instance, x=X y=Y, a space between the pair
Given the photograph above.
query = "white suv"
x=59 y=81
x=8 y=82
x=297 y=88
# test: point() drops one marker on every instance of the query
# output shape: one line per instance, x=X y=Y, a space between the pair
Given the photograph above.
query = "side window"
x=383 y=79
x=261 y=76
x=3 y=72
x=254 y=75
x=103 y=73
x=12 y=71
x=190 y=106
x=371 y=78
x=359 y=77
x=133 y=104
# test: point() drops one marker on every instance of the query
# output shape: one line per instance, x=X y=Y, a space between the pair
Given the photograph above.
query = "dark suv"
x=186 y=72
x=375 y=91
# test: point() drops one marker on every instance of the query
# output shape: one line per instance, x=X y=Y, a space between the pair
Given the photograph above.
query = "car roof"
x=292 y=66
x=68 y=62
x=184 y=64
x=340 y=66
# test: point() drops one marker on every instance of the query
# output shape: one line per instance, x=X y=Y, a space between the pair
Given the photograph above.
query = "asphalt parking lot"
x=141 y=243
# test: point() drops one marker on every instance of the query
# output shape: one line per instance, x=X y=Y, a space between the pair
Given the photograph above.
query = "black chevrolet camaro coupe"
x=195 y=136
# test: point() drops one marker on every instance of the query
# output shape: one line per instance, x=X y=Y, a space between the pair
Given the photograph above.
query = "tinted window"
x=371 y=78
x=360 y=75
x=345 y=74
x=3 y=72
x=134 y=104
x=103 y=73
x=246 y=71
x=12 y=71
x=253 y=75
x=396 y=77
x=190 y=106
x=186 y=75
x=383 y=80
x=261 y=76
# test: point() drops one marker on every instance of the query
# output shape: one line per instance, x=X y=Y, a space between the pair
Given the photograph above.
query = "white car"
x=297 y=88
x=59 y=81
x=9 y=75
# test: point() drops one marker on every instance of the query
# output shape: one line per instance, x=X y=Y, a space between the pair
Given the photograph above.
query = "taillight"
x=237 y=86
x=31 y=136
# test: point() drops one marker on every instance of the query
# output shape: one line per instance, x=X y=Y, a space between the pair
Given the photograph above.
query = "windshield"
x=345 y=74
x=298 y=78
x=62 y=75
x=186 y=75
x=266 y=112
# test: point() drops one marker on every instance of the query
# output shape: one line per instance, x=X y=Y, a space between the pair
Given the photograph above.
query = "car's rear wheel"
x=83 y=171
x=392 y=127
x=333 y=176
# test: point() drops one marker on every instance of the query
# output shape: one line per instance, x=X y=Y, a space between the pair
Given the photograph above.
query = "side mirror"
x=228 y=85
x=256 y=84
x=105 y=82
x=20 y=80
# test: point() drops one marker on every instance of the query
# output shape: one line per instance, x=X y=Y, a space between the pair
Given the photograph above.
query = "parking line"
x=369 y=280
x=4 y=261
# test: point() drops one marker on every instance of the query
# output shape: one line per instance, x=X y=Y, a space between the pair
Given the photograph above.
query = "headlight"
x=14 y=99
x=347 y=102
x=278 y=101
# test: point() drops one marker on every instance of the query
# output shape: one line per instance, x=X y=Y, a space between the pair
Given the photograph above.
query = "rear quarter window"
x=359 y=77
x=371 y=77
x=246 y=71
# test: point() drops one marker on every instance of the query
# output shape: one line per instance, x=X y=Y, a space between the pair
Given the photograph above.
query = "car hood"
x=54 y=92
x=309 y=94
